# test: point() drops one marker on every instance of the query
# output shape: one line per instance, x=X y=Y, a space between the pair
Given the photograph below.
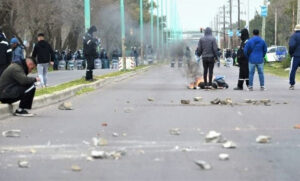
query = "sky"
x=194 y=14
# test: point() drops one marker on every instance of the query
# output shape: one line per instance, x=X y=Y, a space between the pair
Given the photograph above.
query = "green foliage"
x=286 y=62
x=85 y=90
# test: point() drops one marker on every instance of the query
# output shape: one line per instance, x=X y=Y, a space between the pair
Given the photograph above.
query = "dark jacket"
x=255 y=50
x=15 y=80
x=5 y=51
x=241 y=58
x=294 y=45
x=89 y=45
x=43 y=52
x=17 y=54
x=207 y=46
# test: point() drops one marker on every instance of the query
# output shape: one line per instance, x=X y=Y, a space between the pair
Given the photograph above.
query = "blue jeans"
x=294 y=66
x=260 y=69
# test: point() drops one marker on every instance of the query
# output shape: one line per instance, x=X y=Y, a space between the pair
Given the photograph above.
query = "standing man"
x=243 y=61
x=5 y=52
x=17 y=50
x=45 y=55
x=90 y=51
x=294 y=51
x=255 y=50
x=16 y=86
x=208 y=49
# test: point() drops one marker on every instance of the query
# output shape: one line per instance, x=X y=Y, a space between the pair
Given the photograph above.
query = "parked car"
x=276 y=53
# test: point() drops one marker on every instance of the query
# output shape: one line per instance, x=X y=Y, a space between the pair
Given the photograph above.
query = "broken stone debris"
x=197 y=99
x=23 y=164
x=217 y=101
x=116 y=155
x=175 y=131
x=185 y=102
x=263 y=139
x=76 y=168
x=115 y=134
x=203 y=165
x=229 y=145
x=150 y=99
x=65 y=106
x=128 y=110
x=99 y=141
x=12 y=133
x=223 y=156
x=98 y=154
x=214 y=137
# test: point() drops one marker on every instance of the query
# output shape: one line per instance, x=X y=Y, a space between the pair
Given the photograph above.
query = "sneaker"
x=250 y=88
x=262 y=88
x=23 y=113
x=238 y=88
x=292 y=87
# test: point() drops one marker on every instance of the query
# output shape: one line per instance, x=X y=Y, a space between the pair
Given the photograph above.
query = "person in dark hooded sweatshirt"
x=208 y=49
x=5 y=52
x=90 y=51
x=45 y=55
x=243 y=61
x=294 y=51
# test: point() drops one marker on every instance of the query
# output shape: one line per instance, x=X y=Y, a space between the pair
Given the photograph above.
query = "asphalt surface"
x=55 y=140
x=62 y=76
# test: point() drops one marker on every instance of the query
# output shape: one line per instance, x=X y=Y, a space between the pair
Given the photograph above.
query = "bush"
x=286 y=63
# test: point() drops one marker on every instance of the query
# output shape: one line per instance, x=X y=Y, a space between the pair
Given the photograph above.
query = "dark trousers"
x=25 y=98
x=2 y=68
x=244 y=75
x=208 y=66
x=295 y=63
x=90 y=67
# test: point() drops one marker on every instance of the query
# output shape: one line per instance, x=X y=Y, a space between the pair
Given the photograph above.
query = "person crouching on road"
x=45 y=55
x=255 y=50
x=15 y=86
x=208 y=49
x=17 y=50
x=243 y=61
x=294 y=51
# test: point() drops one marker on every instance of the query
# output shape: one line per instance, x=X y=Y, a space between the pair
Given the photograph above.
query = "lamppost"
x=157 y=27
x=162 y=26
x=142 y=29
x=87 y=14
x=152 y=25
x=123 y=33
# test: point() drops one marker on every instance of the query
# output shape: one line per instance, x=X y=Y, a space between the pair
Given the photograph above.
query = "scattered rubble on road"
x=197 y=99
x=65 y=106
x=12 y=133
x=23 y=164
x=104 y=124
x=203 y=165
x=175 y=131
x=128 y=109
x=115 y=134
x=229 y=145
x=218 y=101
x=99 y=141
x=263 y=139
x=213 y=137
x=98 y=154
x=223 y=156
x=116 y=155
x=150 y=99
x=185 y=102
x=75 y=168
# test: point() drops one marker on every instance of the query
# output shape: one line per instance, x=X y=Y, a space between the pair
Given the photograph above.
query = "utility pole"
x=264 y=22
x=276 y=21
x=142 y=29
x=298 y=12
x=123 y=33
x=248 y=15
x=152 y=25
x=167 y=26
x=157 y=27
x=239 y=14
x=230 y=21
x=87 y=14
x=224 y=25
x=162 y=27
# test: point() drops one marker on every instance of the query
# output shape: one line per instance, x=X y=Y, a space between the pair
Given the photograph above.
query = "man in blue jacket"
x=17 y=53
x=255 y=50
x=294 y=51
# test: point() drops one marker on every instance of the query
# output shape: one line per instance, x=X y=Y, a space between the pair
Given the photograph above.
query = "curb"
x=45 y=100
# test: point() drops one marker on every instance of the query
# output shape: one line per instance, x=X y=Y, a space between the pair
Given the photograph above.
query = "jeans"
x=260 y=69
x=42 y=69
x=294 y=66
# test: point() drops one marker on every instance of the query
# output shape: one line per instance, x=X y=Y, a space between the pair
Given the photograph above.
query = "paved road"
x=55 y=140
x=62 y=76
